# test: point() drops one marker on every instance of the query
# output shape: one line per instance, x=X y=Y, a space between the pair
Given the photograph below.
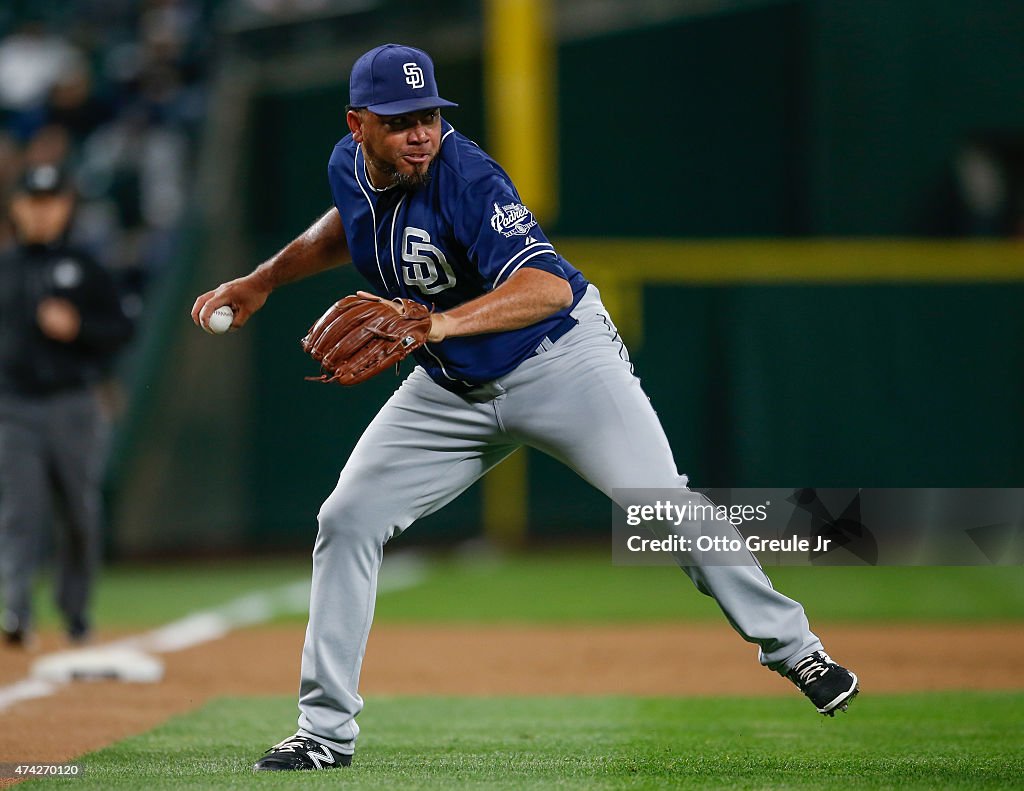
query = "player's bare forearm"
x=318 y=248
x=529 y=296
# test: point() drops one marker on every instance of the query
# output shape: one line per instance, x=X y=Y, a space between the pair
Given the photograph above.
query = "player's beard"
x=410 y=182
x=407 y=182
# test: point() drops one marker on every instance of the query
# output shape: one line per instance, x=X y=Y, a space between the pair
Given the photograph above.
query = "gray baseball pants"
x=52 y=444
x=577 y=401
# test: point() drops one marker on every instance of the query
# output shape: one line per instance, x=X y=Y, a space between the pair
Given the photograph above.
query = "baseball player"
x=519 y=351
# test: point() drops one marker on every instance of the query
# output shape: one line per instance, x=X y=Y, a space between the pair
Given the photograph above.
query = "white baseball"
x=220 y=320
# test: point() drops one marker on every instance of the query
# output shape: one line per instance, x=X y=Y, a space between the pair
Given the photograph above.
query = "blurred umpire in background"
x=61 y=321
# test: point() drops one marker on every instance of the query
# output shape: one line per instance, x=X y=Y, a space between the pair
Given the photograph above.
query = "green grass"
x=586 y=587
x=564 y=586
x=148 y=595
x=946 y=740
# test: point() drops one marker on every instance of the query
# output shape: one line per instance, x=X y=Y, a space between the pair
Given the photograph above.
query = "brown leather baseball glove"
x=359 y=337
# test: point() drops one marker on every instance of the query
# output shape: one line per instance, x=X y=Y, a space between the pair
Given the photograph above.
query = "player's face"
x=398 y=148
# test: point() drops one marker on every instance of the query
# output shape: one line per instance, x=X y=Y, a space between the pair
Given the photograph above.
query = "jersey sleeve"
x=499 y=233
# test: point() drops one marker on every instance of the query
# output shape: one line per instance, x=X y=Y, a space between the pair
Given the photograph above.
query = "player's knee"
x=349 y=519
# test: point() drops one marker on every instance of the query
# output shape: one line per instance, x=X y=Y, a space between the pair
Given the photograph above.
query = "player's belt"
x=552 y=337
x=462 y=388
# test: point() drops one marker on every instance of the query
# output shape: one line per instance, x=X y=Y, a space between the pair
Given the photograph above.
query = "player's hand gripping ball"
x=358 y=337
x=220 y=320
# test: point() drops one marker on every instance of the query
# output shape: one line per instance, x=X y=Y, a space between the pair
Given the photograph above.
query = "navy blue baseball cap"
x=393 y=79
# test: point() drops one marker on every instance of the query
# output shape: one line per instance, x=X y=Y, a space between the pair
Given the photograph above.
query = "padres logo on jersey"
x=512 y=219
x=424 y=265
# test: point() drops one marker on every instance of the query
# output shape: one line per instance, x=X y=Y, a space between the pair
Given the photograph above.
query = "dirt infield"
x=659 y=660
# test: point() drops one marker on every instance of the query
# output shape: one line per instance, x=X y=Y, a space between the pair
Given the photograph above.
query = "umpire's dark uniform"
x=52 y=429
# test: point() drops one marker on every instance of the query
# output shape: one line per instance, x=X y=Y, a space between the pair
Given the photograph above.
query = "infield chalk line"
x=26 y=689
x=400 y=571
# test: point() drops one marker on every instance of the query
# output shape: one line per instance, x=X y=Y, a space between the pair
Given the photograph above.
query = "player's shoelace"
x=292 y=744
x=811 y=668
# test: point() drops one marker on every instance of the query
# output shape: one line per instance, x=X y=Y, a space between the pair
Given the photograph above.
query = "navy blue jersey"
x=460 y=236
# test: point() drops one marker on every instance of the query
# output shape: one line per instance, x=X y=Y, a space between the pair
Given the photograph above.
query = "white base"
x=98 y=664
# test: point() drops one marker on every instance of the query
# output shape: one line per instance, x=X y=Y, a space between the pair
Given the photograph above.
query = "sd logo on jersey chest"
x=424 y=265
